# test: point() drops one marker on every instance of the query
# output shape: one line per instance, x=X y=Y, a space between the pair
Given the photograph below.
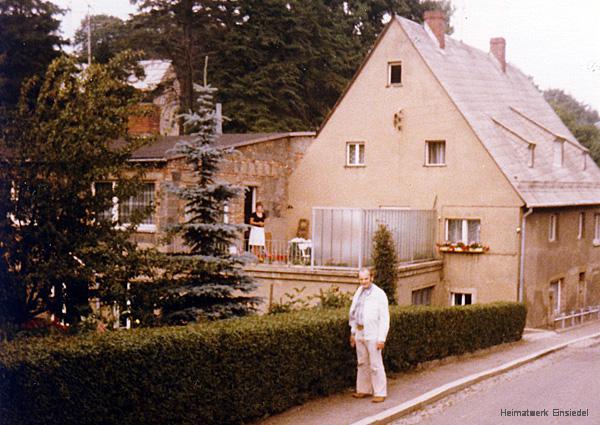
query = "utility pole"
x=89 y=36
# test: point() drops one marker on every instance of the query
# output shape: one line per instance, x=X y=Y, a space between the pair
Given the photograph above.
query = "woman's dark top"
x=258 y=220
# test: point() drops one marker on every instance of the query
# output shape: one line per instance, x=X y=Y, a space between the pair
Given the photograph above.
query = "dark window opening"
x=396 y=74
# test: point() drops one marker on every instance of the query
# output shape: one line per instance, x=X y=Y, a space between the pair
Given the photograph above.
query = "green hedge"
x=225 y=372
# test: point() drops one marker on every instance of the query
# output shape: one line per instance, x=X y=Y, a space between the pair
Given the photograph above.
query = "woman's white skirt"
x=257 y=236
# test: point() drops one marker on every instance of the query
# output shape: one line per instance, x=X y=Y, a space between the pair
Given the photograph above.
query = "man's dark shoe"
x=378 y=399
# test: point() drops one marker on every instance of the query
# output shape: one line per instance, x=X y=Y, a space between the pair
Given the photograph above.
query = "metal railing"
x=280 y=252
x=577 y=316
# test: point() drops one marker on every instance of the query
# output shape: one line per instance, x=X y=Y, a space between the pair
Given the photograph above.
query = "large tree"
x=185 y=31
x=57 y=239
x=208 y=282
x=579 y=118
x=29 y=41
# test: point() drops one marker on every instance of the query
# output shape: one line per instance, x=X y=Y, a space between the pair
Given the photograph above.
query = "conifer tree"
x=208 y=282
x=57 y=242
x=385 y=262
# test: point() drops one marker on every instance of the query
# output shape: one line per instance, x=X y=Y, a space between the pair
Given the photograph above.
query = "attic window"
x=531 y=161
x=559 y=152
x=584 y=161
x=394 y=73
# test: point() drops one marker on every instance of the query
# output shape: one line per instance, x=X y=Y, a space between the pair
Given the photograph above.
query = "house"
x=489 y=194
x=429 y=122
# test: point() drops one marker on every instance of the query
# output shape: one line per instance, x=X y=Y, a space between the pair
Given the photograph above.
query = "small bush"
x=385 y=262
x=224 y=372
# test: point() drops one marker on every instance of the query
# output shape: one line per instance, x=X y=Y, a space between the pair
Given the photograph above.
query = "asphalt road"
x=568 y=380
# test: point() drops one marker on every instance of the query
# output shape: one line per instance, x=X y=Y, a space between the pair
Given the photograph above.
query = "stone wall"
x=275 y=282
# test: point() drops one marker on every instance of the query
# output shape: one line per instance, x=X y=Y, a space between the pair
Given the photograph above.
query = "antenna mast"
x=89 y=36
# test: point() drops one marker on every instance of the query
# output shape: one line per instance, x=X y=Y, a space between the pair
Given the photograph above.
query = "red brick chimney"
x=498 y=49
x=144 y=120
x=436 y=21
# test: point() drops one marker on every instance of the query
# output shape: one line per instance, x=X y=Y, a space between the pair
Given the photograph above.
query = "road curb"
x=440 y=392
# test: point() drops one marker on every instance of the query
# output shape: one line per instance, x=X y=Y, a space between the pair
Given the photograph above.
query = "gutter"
x=522 y=262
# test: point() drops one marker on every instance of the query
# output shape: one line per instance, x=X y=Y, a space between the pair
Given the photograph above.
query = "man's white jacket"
x=376 y=314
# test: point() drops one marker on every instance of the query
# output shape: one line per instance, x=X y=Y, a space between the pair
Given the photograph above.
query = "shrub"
x=385 y=262
x=224 y=372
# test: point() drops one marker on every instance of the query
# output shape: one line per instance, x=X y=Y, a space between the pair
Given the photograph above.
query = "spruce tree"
x=208 y=282
x=385 y=262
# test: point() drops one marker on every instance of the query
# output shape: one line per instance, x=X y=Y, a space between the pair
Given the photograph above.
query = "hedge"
x=232 y=371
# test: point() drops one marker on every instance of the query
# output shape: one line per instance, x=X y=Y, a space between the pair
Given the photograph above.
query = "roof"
x=158 y=150
x=156 y=71
x=510 y=117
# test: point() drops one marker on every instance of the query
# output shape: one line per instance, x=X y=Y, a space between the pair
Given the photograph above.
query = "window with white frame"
x=124 y=211
x=467 y=231
x=559 y=152
x=581 y=226
x=355 y=153
x=461 y=298
x=553 y=227
x=394 y=73
x=105 y=189
x=435 y=152
x=422 y=296
x=596 y=229
x=555 y=290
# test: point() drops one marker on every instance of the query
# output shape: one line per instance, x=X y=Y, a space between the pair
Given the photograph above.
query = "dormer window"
x=394 y=73
x=559 y=152
x=531 y=161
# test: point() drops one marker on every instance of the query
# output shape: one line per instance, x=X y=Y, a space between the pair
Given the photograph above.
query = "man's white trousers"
x=370 y=376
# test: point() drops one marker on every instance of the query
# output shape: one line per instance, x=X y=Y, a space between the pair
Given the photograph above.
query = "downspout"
x=522 y=264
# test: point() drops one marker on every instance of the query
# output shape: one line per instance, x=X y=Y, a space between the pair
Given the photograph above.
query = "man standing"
x=369 y=324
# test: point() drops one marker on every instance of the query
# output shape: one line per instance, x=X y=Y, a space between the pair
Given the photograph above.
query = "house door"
x=249 y=208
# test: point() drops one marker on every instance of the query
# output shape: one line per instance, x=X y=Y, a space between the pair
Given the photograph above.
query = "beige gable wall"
x=470 y=185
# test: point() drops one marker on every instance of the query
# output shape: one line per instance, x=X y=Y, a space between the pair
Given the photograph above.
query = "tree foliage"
x=280 y=64
x=109 y=36
x=581 y=119
x=29 y=41
x=208 y=282
x=385 y=262
x=59 y=247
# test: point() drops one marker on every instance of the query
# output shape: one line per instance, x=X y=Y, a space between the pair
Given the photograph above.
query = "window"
x=531 y=156
x=461 y=298
x=582 y=295
x=552 y=227
x=355 y=153
x=422 y=296
x=559 y=152
x=140 y=202
x=596 y=229
x=555 y=293
x=467 y=231
x=435 y=152
x=584 y=161
x=124 y=211
x=581 y=228
x=105 y=188
x=395 y=73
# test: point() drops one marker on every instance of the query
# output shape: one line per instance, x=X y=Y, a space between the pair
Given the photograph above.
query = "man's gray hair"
x=364 y=271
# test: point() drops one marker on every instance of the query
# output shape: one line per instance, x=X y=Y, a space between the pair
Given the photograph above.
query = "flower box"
x=466 y=249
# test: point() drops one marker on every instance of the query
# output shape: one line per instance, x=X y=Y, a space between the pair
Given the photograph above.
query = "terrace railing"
x=343 y=237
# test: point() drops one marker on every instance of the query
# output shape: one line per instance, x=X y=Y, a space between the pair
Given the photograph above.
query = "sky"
x=557 y=42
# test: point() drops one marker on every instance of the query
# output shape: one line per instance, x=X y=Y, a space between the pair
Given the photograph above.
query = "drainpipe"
x=522 y=264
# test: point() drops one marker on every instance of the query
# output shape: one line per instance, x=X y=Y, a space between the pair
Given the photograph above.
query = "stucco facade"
x=573 y=258
x=469 y=185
